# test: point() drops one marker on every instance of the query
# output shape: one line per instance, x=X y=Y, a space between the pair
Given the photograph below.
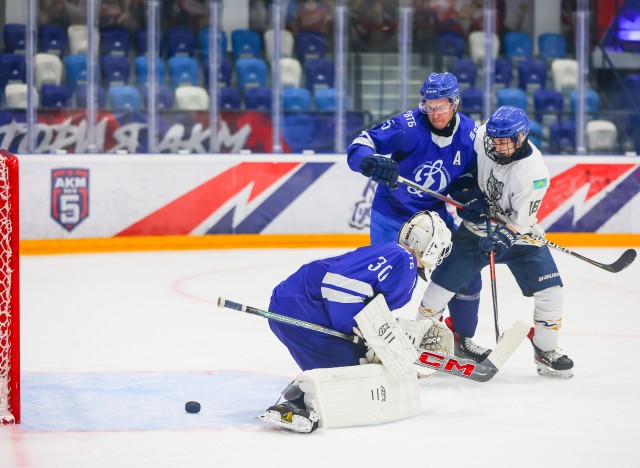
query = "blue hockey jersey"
x=442 y=164
x=331 y=291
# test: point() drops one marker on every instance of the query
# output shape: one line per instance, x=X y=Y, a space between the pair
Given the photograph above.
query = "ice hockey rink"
x=113 y=345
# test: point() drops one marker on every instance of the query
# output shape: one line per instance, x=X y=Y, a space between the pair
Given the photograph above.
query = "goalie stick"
x=626 y=259
x=466 y=368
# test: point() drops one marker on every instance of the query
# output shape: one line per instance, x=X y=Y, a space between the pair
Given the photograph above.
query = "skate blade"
x=298 y=424
x=546 y=371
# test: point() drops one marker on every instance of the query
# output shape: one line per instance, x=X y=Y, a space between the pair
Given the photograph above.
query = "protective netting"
x=6 y=255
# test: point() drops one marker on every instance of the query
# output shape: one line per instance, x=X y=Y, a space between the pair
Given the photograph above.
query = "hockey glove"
x=499 y=242
x=380 y=169
x=369 y=354
x=476 y=208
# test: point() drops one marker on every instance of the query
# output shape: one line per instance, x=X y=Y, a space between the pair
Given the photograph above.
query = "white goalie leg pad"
x=359 y=395
x=383 y=334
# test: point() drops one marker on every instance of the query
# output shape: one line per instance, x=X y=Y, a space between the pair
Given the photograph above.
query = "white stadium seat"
x=477 y=48
x=192 y=98
x=286 y=43
x=78 y=42
x=602 y=135
x=48 y=69
x=15 y=96
x=290 y=72
x=565 y=74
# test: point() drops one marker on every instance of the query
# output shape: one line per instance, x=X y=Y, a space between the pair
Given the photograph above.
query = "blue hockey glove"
x=380 y=169
x=476 y=208
x=499 y=242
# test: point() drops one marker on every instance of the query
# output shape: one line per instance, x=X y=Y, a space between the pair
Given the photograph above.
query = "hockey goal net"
x=9 y=287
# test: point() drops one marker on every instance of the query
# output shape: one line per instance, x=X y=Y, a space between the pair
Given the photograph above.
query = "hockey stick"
x=494 y=285
x=466 y=368
x=626 y=259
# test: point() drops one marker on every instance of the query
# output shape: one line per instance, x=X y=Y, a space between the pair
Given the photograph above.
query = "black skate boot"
x=464 y=347
x=551 y=363
x=289 y=417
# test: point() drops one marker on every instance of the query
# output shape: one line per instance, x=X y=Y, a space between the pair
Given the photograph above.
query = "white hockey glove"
x=369 y=354
x=428 y=334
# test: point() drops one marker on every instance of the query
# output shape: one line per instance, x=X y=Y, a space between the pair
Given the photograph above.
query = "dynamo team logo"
x=69 y=196
x=433 y=176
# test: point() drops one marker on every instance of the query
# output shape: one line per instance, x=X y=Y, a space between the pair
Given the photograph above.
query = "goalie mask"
x=429 y=238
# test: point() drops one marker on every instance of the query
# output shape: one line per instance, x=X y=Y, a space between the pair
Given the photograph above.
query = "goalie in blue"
x=337 y=292
x=433 y=146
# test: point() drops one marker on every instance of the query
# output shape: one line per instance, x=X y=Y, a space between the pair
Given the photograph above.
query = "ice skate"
x=291 y=418
x=465 y=347
x=551 y=363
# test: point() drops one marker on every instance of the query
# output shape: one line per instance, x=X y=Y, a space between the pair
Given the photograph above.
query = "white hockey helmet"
x=429 y=238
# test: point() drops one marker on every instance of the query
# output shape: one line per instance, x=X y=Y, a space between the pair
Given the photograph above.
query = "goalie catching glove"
x=428 y=334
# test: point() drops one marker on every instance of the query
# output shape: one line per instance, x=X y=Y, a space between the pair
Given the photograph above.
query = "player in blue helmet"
x=433 y=146
x=513 y=180
x=507 y=131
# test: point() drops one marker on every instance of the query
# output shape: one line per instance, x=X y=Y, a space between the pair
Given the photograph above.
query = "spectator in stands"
x=53 y=12
x=312 y=15
x=357 y=33
x=192 y=14
x=380 y=28
x=258 y=16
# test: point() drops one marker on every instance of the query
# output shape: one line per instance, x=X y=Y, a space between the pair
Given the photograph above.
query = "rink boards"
x=137 y=199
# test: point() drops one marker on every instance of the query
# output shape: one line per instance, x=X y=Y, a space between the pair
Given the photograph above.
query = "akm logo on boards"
x=69 y=196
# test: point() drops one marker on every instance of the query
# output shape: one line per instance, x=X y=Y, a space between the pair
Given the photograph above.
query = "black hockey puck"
x=192 y=407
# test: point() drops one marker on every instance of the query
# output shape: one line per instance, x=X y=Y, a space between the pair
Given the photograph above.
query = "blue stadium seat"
x=141 y=65
x=535 y=134
x=75 y=66
x=179 y=42
x=319 y=73
x=81 y=96
x=546 y=103
x=552 y=46
x=466 y=71
x=517 y=45
x=115 y=70
x=13 y=69
x=325 y=99
x=203 y=43
x=504 y=73
x=246 y=43
x=298 y=130
x=258 y=99
x=471 y=100
x=532 y=75
x=52 y=39
x=15 y=38
x=55 y=97
x=224 y=72
x=229 y=99
x=140 y=35
x=183 y=70
x=592 y=101
x=450 y=44
x=296 y=99
x=115 y=40
x=251 y=73
x=512 y=97
x=164 y=96
x=124 y=97
x=310 y=45
x=562 y=135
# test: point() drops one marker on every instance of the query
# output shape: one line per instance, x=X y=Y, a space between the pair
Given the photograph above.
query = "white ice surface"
x=113 y=345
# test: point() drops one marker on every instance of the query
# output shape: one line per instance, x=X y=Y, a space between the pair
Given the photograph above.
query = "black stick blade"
x=623 y=262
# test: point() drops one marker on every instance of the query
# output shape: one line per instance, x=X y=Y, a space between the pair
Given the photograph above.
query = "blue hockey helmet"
x=506 y=122
x=439 y=86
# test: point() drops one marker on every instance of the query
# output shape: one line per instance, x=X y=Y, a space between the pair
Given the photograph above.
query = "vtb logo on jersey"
x=69 y=196
x=433 y=176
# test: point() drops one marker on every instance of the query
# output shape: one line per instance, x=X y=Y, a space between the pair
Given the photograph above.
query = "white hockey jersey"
x=514 y=191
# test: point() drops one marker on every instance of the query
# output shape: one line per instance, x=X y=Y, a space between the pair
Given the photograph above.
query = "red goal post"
x=9 y=290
